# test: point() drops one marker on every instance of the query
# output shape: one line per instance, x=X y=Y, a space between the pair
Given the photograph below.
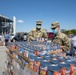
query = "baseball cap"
x=55 y=24
x=38 y=22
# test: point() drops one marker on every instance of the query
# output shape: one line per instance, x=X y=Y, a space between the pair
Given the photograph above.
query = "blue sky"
x=28 y=11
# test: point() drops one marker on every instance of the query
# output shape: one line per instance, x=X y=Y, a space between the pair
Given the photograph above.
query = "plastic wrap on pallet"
x=33 y=58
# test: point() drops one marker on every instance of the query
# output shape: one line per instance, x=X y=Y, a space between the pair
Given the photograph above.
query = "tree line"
x=72 y=31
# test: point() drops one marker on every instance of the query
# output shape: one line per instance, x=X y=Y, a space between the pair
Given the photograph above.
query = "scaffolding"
x=6 y=24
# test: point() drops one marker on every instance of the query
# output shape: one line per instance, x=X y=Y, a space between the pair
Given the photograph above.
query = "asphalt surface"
x=3 y=57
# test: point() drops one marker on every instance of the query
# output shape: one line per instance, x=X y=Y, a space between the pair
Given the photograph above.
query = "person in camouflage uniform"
x=60 y=38
x=38 y=32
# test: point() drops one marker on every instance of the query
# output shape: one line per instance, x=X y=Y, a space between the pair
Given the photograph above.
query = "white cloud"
x=20 y=21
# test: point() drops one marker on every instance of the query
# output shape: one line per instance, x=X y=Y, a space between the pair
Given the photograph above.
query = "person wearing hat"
x=37 y=32
x=60 y=38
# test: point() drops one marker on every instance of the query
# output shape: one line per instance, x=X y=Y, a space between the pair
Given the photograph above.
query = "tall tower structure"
x=14 y=25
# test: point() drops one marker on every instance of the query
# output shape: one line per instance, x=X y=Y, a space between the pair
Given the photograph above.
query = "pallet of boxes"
x=17 y=62
x=37 y=58
x=1 y=41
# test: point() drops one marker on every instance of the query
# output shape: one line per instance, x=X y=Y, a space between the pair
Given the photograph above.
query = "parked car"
x=50 y=35
x=18 y=37
x=11 y=36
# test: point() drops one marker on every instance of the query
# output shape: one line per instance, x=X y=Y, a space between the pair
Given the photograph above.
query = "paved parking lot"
x=2 y=58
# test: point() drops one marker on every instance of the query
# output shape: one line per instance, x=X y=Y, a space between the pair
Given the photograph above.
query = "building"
x=6 y=24
x=63 y=30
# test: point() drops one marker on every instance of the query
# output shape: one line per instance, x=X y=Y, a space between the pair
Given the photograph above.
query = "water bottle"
x=27 y=54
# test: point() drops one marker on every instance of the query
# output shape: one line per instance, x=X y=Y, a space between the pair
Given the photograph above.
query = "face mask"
x=38 y=27
x=55 y=31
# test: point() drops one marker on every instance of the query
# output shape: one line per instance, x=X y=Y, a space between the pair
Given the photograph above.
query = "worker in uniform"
x=37 y=32
x=60 y=38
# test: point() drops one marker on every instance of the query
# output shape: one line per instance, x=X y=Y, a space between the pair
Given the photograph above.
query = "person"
x=60 y=38
x=73 y=46
x=37 y=32
x=6 y=36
